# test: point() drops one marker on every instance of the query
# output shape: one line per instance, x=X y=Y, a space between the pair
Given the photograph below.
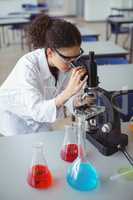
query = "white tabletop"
x=103 y=48
x=10 y=21
x=14 y=15
x=87 y=31
x=15 y=157
x=123 y=20
x=116 y=77
x=123 y=8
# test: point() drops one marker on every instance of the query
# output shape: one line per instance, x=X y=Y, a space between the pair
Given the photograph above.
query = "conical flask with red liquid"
x=82 y=175
x=69 y=150
x=39 y=175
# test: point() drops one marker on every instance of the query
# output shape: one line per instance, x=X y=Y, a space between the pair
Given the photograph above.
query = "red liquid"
x=69 y=152
x=40 y=177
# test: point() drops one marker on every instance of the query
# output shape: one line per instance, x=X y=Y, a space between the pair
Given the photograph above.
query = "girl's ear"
x=49 y=52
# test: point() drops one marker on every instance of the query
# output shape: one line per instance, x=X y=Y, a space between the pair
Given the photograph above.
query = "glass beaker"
x=69 y=150
x=81 y=175
x=39 y=175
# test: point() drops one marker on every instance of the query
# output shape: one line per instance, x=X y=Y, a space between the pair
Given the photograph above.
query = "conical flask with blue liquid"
x=81 y=175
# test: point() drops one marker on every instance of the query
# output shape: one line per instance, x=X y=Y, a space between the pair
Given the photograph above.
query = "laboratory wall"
x=66 y=6
x=98 y=10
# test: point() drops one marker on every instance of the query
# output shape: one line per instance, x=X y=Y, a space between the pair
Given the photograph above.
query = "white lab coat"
x=27 y=97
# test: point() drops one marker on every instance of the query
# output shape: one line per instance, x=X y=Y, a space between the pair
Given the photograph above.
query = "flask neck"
x=81 y=139
x=70 y=134
x=38 y=155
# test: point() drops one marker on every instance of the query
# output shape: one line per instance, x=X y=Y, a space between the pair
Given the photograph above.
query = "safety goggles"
x=70 y=60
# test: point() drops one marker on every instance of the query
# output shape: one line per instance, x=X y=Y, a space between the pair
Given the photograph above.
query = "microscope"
x=102 y=119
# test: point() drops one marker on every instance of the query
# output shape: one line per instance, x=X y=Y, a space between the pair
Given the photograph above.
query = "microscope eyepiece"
x=92 y=70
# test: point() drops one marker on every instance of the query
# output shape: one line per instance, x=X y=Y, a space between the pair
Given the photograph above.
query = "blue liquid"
x=82 y=176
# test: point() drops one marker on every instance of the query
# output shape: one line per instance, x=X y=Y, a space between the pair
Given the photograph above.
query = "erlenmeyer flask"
x=81 y=175
x=69 y=150
x=39 y=175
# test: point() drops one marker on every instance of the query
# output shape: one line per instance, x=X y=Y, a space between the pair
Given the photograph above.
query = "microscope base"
x=106 y=145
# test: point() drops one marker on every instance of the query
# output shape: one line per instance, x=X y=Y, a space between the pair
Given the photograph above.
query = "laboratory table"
x=123 y=9
x=15 y=159
x=116 y=77
x=88 y=32
x=104 y=49
x=10 y=21
x=117 y=22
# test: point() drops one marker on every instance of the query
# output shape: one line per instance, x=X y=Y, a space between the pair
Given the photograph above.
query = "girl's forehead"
x=70 y=49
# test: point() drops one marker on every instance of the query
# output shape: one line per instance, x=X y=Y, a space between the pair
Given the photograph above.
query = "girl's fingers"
x=74 y=71
x=79 y=67
x=80 y=76
x=82 y=83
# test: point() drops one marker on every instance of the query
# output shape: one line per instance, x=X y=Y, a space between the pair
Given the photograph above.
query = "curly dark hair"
x=50 y=32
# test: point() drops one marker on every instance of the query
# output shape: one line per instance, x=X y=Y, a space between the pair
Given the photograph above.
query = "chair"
x=29 y=6
x=17 y=29
x=87 y=38
x=117 y=29
x=111 y=61
x=43 y=6
x=125 y=102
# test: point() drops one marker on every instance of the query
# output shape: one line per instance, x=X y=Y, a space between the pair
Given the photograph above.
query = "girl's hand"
x=77 y=80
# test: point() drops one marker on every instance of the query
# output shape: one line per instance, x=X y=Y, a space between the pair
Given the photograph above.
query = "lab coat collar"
x=43 y=65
